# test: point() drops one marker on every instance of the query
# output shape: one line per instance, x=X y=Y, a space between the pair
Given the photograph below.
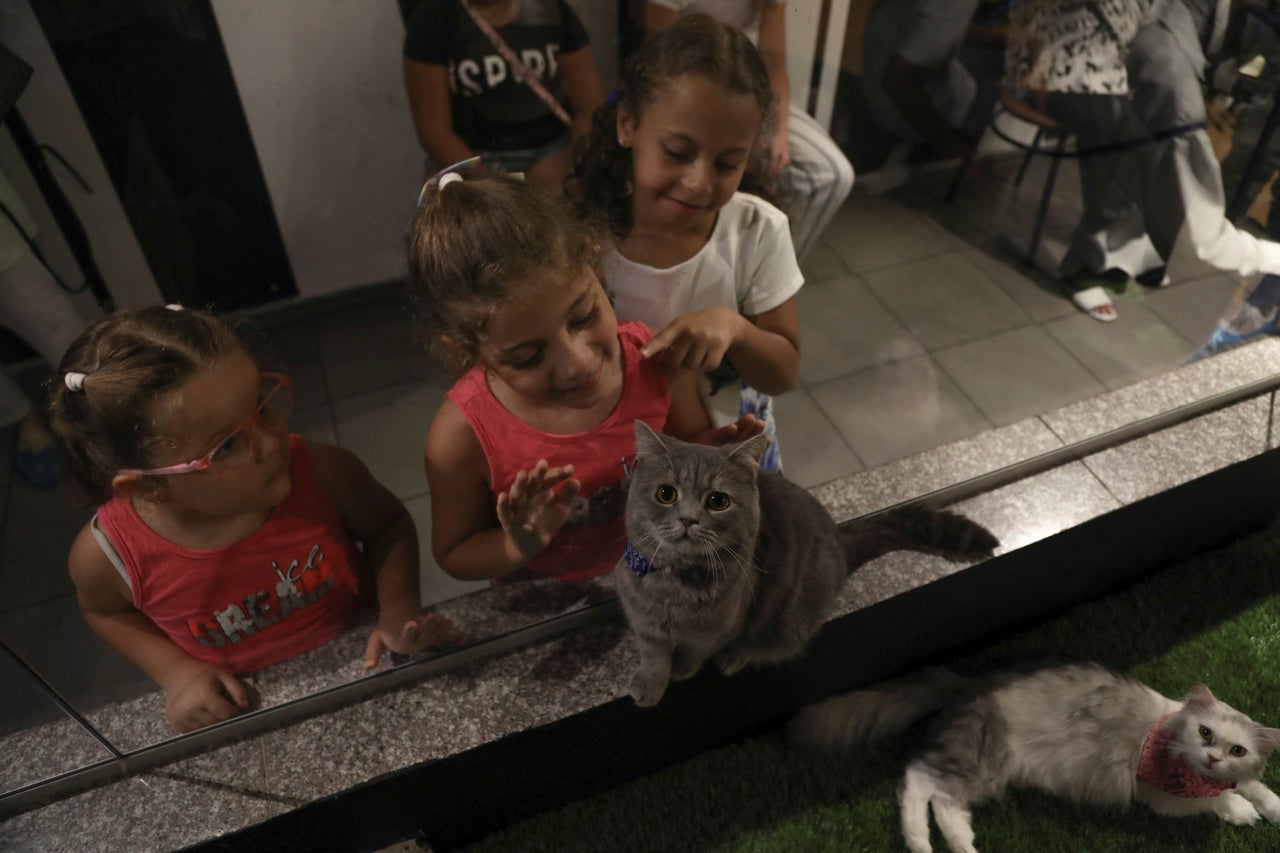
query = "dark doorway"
x=155 y=88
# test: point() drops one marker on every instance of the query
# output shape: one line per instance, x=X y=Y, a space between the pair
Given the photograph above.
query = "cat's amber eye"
x=718 y=501
x=1205 y=732
x=665 y=495
x=1239 y=751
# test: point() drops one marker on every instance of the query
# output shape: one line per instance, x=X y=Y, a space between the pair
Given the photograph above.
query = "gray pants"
x=816 y=183
x=36 y=308
x=1164 y=178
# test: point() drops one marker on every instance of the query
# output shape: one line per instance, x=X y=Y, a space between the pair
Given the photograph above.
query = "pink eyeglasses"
x=232 y=451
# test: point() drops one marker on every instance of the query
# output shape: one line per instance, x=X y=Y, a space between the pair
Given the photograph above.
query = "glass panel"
x=38 y=739
x=920 y=323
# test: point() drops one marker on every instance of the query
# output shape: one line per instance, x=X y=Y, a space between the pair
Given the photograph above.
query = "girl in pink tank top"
x=526 y=457
x=222 y=544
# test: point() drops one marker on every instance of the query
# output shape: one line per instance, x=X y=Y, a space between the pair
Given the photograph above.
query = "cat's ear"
x=648 y=441
x=750 y=450
x=1200 y=697
x=1268 y=739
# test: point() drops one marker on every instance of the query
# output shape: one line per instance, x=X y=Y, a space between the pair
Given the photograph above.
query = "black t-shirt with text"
x=492 y=108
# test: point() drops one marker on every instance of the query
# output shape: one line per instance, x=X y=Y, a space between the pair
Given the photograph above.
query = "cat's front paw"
x=646 y=689
x=731 y=660
x=685 y=666
x=1235 y=809
x=1263 y=799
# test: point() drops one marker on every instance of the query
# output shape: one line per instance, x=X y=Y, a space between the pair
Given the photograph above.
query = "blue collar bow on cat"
x=697 y=575
x=638 y=562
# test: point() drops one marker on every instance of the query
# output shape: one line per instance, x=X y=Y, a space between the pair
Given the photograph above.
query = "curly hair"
x=471 y=239
x=129 y=359
x=692 y=44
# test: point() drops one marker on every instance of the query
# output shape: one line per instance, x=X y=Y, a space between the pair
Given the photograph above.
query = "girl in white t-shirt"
x=812 y=174
x=712 y=268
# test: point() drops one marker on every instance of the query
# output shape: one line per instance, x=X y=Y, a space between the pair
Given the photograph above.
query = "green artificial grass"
x=1213 y=618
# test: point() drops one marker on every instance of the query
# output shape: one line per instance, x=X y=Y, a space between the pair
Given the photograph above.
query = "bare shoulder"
x=333 y=462
x=99 y=586
x=452 y=445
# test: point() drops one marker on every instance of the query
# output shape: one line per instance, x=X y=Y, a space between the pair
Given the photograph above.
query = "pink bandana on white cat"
x=1159 y=766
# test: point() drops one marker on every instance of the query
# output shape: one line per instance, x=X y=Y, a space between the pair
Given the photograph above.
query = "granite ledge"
x=203 y=797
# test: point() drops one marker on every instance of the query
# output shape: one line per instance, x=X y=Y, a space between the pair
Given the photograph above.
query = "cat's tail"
x=917 y=528
x=864 y=716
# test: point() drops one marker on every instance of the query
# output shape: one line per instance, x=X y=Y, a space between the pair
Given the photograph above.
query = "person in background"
x=34 y=306
x=914 y=81
x=511 y=80
x=1150 y=174
x=223 y=544
x=813 y=175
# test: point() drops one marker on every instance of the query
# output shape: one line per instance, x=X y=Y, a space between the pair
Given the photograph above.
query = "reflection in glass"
x=920 y=323
x=38 y=739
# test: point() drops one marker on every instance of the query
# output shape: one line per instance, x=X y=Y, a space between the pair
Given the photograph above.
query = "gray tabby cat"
x=727 y=562
x=1076 y=730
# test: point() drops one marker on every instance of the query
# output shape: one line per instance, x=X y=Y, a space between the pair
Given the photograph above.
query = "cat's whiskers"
x=651 y=537
x=745 y=568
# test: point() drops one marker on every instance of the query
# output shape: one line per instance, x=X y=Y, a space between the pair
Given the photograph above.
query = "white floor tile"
x=812 y=450
x=894 y=410
x=844 y=329
x=1018 y=374
x=1136 y=346
x=387 y=429
x=944 y=300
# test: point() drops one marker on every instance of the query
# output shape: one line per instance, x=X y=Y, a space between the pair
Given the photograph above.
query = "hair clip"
x=437 y=182
x=173 y=306
x=73 y=380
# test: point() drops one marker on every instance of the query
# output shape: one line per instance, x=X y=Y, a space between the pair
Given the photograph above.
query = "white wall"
x=50 y=111
x=803 y=17
x=322 y=91
x=324 y=96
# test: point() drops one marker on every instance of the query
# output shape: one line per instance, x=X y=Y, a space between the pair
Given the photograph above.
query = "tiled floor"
x=913 y=336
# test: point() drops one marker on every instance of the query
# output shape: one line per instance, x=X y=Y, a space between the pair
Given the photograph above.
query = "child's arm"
x=582 y=84
x=765 y=348
x=196 y=694
x=376 y=518
x=473 y=539
x=773 y=50
x=687 y=418
x=427 y=87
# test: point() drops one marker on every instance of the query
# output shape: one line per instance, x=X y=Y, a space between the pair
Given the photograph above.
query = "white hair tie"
x=445 y=180
x=74 y=381
x=173 y=306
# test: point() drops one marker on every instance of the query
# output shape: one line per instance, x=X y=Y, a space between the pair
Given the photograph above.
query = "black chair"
x=1050 y=139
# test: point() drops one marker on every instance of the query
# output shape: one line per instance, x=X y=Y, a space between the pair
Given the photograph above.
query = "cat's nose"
x=688 y=522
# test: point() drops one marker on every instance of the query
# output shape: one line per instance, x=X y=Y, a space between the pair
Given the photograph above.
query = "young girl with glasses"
x=528 y=455
x=222 y=543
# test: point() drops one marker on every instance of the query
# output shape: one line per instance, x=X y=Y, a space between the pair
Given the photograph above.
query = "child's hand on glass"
x=532 y=511
x=698 y=340
x=740 y=430
x=408 y=632
x=199 y=694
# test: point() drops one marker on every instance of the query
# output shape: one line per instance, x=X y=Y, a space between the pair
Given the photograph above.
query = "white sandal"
x=1096 y=302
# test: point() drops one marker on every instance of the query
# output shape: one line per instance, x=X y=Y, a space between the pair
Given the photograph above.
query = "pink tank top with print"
x=289 y=587
x=593 y=539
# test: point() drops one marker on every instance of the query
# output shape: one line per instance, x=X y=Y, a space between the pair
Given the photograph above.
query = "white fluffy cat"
x=1077 y=730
